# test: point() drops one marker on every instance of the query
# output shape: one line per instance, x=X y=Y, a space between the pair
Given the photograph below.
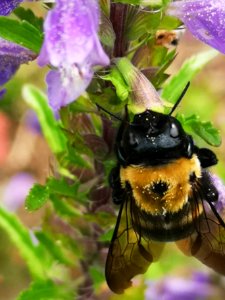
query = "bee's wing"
x=207 y=244
x=129 y=254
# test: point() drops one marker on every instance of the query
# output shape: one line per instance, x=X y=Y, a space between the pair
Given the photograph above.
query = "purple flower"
x=176 y=288
x=73 y=48
x=32 y=122
x=16 y=191
x=204 y=18
x=11 y=56
x=220 y=203
x=2 y=93
x=7 y=6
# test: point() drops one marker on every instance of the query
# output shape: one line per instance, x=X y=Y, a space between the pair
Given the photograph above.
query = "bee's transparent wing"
x=129 y=254
x=207 y=244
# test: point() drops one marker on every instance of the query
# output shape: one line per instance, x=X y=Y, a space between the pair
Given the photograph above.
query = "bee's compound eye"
x=174 y=132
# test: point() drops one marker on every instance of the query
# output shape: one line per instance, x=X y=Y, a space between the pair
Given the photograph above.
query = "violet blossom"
x=16 y=191
x=220 y=203
x=2 y=93
x=7 y=6
x=73 y=48
x=32 y=122
x=11 y=57
x=204 y=18
x=175 y=288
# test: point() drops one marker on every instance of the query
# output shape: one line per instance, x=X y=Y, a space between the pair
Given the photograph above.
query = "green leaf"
x=144 y=22
x=97 y=276
x=189 y=69
x=50 y=127
x=61 y=187
x=64 y=208
x=53 y=248
x=122 y=90
x=203 y=129
x=158 y=55
x=106 y=236
x=21 y=237
x=106 y=32
x=28 y=15
x=37 y=197
x=47 y=290
x=22 y=33
x=169 y=23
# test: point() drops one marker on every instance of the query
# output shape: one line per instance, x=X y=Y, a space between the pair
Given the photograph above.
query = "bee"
x=165 y=193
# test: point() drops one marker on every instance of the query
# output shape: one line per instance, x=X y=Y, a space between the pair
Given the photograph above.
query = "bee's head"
x=152 y=138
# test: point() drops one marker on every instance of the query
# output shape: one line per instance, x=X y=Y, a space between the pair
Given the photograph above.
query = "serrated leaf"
x=203 y=129
x=189 y=69
x=52 y=247
x=28 y=15
x=47 y=290
x=61 y=187
x=37 y=197
x=22 y=33
x=21 y=237
x=50 y=127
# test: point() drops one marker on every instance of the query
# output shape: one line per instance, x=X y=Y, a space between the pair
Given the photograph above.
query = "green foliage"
x=47 y=290
x=21 y=237
x=55 y=249
x=203 y=129
x=22 y=33
x=28 y=15
x=174 y=87
x=37 y=197
x=50 y=127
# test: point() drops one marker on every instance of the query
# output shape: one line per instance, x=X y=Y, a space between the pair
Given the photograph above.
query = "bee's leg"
x=206 y=157
x=115 y=183
x=210 y=193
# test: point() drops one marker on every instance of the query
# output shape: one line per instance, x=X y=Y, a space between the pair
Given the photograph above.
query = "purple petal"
x=11 y=56
x=204 y=18
x=71 y=33
x=17 y=190
x=7 y=6
x=176 y=288
x=32 y=122
x=2 y=93
x=7 y=68
x=64 y=86
x=220 y=203
x=72 y=46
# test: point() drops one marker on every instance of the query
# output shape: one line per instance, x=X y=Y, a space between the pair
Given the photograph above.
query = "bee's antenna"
x=108 y=112
x=180 y=98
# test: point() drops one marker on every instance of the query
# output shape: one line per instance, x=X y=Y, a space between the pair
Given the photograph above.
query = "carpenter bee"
x=165 y=194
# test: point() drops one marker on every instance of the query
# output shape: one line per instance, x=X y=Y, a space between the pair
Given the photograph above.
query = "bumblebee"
x=165 y=194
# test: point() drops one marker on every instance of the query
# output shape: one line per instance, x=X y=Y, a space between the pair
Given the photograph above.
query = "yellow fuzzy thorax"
x=176 y=176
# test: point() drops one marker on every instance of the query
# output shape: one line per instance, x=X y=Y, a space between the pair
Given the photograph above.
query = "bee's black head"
x=152 y=138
